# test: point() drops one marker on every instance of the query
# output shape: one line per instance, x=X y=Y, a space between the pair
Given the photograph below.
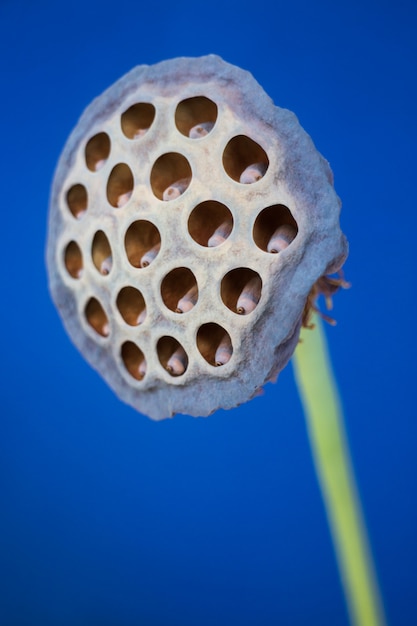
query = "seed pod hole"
x=96 y=317
x=131 y=305
x=142 y=243
x=214 y=344
x=274 y=229
x=120 y=185
x=97 y=151
x=172 y=356
x=77 y=200
x=170 y=176
x=179 y=290
x=134 y=360
x=101 y=253
x=241 y=290
x=73 y=260
x=210 y=223
x=245 y=160
x=195 y=117
x=137 y=120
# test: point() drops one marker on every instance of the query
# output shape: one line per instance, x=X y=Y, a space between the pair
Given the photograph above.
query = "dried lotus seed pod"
x=122 y=258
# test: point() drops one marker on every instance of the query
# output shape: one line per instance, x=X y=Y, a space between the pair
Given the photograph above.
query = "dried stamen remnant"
x=177 y=363
x=249 y=296
x=175 y=190
x=188 y=301
x=220 y=234
x=150 y=255
x=106 y=265
x=325 y=286
x=224 y=351
x=281 y=238
x=200 y=130
x=253 y=173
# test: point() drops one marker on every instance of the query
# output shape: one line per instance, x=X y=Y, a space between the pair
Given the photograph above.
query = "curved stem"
x=330 y=451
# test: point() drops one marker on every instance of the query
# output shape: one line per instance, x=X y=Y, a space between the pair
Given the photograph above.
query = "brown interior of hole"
x=96 y=317
x=73 y=259
x=268 y=221
x=141 y=236
x=165 y=348
x=133 y=358
x=77 y=200
x=130 y=303
x=100 y=250
x=120 y=182
x=206 y=218
x=96 y=150
x=233 y=283
x=209 y=337
x=194 y=111
x=137 y=117
x=175 y=285
x=240 y=152
x=168 y=169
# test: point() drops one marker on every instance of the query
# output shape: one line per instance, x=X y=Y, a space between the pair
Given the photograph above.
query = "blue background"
x=110 y=519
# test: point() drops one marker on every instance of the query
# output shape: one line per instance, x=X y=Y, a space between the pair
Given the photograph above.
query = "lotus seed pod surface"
x=189 y=219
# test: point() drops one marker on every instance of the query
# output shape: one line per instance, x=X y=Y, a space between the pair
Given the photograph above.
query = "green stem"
x=330 y=451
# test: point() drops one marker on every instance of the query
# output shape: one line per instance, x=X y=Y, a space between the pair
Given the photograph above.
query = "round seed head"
x=192 y=225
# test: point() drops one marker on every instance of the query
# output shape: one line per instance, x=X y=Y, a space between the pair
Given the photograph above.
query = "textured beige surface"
x=189 y=219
